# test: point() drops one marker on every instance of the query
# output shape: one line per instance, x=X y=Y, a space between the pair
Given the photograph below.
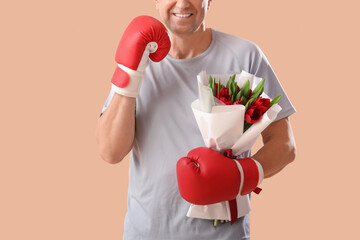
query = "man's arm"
x=115 y=129
x=279 y=147
x=144 y=38
x=201 y=164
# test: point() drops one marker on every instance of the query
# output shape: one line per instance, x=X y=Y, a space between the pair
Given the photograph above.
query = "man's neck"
x=189 y=46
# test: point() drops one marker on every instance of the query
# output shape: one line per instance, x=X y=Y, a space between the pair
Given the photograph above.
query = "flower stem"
x=215 y=222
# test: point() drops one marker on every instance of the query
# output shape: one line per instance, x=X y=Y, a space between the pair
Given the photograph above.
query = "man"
x=157 y=125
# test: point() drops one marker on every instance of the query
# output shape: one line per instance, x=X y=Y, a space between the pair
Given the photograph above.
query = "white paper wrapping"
x=221 y=127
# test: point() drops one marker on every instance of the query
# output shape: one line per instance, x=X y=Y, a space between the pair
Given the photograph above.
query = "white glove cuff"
x=135 y=80
x=261 y=172
x=260 y=169
x=241 y=174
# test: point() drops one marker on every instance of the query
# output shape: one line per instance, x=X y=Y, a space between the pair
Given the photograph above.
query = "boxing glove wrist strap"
x=133 y=88
x=135 y=77
x=251 y=173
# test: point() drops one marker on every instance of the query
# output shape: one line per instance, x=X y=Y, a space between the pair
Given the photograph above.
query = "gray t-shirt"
x=166 y=130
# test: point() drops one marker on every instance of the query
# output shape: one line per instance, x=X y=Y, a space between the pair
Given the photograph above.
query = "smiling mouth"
x=182 y=15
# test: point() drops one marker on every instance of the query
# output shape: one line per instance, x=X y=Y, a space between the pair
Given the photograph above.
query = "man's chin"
x=182 y=31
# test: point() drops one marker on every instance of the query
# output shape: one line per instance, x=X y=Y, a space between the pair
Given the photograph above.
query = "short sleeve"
x=272 y=87
x=107 y=102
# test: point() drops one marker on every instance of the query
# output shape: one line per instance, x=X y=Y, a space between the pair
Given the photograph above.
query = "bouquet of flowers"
x=230 y=117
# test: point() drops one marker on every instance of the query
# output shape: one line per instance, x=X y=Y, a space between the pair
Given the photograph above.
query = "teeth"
x=182 y=15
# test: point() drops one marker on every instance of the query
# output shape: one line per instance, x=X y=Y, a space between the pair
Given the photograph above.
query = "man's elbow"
x=113 y=157
x=110 y=154
x=291 y=152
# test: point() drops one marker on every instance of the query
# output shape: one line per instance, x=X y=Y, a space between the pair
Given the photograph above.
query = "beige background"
x=57 y=59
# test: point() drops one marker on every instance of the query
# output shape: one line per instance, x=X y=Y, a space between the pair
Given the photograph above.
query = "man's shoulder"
x=235 y=43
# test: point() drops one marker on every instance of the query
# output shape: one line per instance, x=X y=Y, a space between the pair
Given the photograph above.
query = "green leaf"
x=261 y=91
x=235 y=92
x=245 y=89
x=233 y=86
x=247 y=125
x=248 y=104
x=236 y=87
x=228 y=84
x=212 y=84
x=275 y=100
x=232 y=78
x=256 y=95
x=259 y=86
x=243 y=99
x=219 y=86
x=237 y=96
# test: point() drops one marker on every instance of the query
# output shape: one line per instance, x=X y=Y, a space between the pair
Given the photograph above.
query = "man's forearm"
x=116 y=129
x=279 y=148
x=274 y=156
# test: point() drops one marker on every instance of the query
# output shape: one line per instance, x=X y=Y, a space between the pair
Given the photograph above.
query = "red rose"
x=253 y=114
x=216 y=87
x=238 y=102
x=262 y=104
x=224 y=96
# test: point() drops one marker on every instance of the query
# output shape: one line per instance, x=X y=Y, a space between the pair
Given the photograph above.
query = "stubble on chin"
x=184 y=30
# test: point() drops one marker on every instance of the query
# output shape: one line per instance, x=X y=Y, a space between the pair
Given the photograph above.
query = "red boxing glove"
x=144 y=38
x=206 y=177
